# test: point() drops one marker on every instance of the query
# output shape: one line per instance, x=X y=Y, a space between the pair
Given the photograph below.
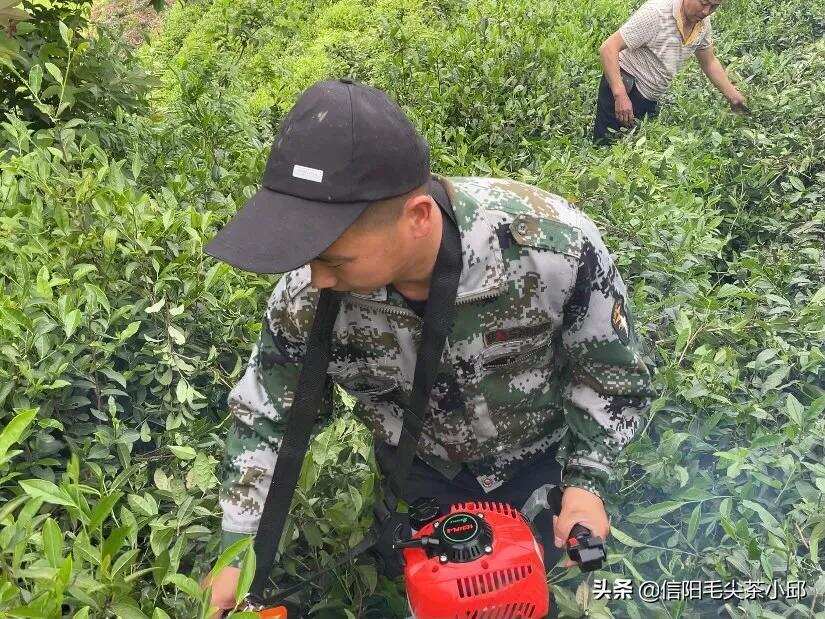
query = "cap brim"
x=276 y=232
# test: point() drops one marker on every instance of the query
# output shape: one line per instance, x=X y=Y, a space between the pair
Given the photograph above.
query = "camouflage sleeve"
x=609 y=388
x=259 y=403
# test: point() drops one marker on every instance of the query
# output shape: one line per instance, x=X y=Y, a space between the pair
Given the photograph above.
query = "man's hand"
x=578 y=506
x=223 y=590
x=737 y=101
x=718 y=76
x=624 y=110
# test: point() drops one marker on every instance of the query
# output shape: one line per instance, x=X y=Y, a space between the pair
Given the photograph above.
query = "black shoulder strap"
x=302 y=414
x=439 y=314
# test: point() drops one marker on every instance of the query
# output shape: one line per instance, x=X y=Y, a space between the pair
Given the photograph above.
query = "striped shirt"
x=656 y=47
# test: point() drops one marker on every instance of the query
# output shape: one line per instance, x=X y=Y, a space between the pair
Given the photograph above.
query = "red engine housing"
x=507 y=583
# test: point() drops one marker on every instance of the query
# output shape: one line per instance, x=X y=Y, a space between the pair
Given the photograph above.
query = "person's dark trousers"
x=606 y=110
x=424 y=481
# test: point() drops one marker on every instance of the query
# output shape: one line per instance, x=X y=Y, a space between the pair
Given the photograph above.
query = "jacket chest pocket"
x=365 y=381
x=515 y=388
x=515 y=355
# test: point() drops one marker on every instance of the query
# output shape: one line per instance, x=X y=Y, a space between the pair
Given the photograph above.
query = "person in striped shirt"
x=642 y=57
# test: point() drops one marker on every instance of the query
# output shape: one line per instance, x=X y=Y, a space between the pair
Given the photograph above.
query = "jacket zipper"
x=401 y=311
x=478 y=296
x=514 y=358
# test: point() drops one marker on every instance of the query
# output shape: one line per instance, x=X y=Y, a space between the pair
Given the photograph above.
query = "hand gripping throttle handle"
x=586 y=549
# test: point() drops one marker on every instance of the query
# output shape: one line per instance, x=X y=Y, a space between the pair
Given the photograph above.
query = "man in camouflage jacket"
x=542 y=352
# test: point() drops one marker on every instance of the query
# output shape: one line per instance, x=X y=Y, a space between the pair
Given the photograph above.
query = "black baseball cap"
x=341 y=147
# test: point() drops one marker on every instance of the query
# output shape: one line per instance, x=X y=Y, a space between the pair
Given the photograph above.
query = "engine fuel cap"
x=464 y=537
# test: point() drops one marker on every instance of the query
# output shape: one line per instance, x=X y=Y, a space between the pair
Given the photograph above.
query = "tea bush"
x=53 y=67
x=119 y=338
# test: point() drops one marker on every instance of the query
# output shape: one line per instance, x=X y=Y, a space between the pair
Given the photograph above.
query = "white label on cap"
x=308 y=174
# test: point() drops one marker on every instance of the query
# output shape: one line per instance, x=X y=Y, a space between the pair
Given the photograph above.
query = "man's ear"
x=420 y=212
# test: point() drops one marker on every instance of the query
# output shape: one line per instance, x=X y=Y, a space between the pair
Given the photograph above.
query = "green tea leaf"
x=182 y=452
x=816 y=535
x=104 y=508
x=109 y=240
x=54 y=72
x=625 y=539
x=145 y=504
x=185 y=584
x=44 y=288
x=693 y=523
x=35 y=78
x=124 y=561
x=231 y=553
x=202 y=473
x=52 y=542
x=776 y=378
x=217 y=270
x=71 y=322
x=115 y=376
x=654 y=512
x=182 y=391
x=65 y=33
x=370 y=576
x=728 y=290
x=127 y=610
x=129 y=331
x=14 y=430
x=795 y=410
x=764 y=515
x=46 y=490
x=114 y=541
x=156 y=307
x=177 y=335
x=246 y=575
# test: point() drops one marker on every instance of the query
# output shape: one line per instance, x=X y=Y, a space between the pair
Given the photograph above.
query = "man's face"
x=358 y=261
x=362 y=260
x=699 y=9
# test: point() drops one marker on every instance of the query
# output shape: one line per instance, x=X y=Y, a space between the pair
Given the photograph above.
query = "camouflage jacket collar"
x=482 y=272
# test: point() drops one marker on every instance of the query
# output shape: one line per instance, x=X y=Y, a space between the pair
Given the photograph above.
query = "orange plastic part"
x=279 y=612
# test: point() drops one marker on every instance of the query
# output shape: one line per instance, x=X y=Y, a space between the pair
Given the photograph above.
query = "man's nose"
x=321 y=276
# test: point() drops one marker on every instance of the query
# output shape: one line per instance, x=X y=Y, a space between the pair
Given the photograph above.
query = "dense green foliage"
x=55 y=69
x=119 y=338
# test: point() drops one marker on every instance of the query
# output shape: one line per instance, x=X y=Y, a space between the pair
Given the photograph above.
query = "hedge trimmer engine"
x=480 y=560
